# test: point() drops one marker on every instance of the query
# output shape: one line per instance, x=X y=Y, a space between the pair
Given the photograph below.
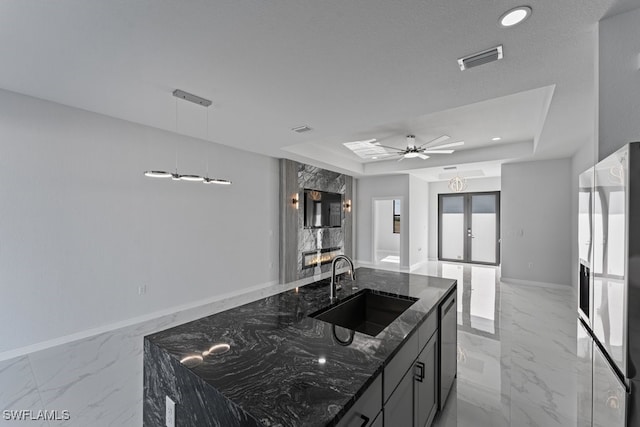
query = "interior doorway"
x=469 y=227
x=387 y=223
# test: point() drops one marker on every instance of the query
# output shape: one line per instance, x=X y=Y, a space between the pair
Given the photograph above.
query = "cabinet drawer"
x=427 y=329
x=366 y=407
x=399 y=365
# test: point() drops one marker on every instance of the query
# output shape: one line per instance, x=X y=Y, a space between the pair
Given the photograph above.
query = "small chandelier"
x=457 y=184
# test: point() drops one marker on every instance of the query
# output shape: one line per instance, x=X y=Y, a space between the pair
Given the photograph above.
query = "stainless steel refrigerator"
x=608 y=324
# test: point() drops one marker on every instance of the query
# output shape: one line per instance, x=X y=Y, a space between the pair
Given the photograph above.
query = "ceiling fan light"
x=411 y=155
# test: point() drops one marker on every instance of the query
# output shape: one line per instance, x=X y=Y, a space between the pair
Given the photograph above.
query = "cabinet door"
x=398 y=411
x=426 y=384
x=366 y=408
x=609 y=394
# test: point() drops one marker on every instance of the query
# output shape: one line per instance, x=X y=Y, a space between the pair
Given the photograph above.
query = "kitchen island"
x=269 y=363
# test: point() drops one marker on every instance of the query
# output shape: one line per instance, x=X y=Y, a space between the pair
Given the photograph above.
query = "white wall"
x=81 y=228
x=385 y=239
x=382 y=187
x=442 y=187
x=619 y=76
x=536 y=221
x=419 y=221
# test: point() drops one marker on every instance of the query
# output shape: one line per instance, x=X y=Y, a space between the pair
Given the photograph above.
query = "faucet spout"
x=333 y=286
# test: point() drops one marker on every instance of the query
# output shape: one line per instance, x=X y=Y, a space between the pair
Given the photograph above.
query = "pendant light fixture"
x=188 y=177
x=457 y=184
x=158 y=174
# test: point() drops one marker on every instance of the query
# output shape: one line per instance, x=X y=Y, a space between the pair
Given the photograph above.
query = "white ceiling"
x=345 y=68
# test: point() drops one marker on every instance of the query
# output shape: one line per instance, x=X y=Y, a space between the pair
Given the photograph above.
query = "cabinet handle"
x=446 y=310
x=419 y=376
x=365 y=420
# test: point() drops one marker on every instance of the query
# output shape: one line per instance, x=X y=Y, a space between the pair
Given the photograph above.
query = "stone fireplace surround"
x=295 y=240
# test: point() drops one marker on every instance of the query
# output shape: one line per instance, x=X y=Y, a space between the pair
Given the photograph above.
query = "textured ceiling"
x=341 y=67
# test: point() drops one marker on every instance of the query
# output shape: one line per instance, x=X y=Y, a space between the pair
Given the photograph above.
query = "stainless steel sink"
x=367 y=311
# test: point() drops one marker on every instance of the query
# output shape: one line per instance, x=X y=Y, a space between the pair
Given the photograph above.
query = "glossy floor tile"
x=516 y=352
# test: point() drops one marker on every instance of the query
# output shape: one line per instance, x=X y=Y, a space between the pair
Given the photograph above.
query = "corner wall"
x=536 y=221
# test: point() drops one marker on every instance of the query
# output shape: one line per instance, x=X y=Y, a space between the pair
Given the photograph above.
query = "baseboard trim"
x=534 y=283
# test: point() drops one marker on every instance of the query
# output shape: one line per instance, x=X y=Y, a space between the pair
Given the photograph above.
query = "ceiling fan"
x=421 y=151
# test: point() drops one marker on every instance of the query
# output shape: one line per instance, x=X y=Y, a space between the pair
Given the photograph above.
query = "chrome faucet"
x=334 y=283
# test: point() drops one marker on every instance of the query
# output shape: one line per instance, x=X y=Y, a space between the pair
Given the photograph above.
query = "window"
x=396 y=216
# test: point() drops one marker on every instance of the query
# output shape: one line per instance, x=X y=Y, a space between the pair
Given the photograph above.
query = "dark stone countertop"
x=272 y=368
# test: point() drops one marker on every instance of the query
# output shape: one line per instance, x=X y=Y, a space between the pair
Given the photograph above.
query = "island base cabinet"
x=426 y=384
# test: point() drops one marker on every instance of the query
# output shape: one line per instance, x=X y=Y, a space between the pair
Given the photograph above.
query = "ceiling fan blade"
x=435 y=141
x=423 y=157
x=451 y=144
x=401 y=159
x=399 y=150
x=438 y=151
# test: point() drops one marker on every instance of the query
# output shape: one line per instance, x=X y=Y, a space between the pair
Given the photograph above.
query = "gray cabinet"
x=413 y=400
x=364 y=412
x=408 y=390
x=448 y=332
x=426 y=384
x=398 y=411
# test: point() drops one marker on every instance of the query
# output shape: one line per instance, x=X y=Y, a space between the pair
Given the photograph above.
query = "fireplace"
x=319 y=257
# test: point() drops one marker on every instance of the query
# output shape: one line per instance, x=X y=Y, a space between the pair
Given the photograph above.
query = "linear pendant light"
x=188 y=177
x=157 y=174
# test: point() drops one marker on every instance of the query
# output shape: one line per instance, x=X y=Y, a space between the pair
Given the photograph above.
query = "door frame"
x=467 y=225
x=403 y=229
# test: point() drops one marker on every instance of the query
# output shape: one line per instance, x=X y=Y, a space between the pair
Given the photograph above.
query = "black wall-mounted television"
x=322 y=209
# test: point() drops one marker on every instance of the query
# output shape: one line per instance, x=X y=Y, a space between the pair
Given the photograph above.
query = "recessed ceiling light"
x=497 y=138
x=515 y=16
x=374 y=158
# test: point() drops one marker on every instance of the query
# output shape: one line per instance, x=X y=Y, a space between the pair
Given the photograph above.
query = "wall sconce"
x=295 y=201
x=347 y=205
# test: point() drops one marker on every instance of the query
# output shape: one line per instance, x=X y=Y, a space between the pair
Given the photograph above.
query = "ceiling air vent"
x=301 y=129
x=448 y=168
x=480 y=58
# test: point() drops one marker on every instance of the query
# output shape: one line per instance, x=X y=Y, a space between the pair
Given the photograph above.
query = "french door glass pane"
x=453 y=227
x=483 y=228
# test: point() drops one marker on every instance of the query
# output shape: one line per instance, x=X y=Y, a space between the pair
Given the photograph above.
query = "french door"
x=469 y=227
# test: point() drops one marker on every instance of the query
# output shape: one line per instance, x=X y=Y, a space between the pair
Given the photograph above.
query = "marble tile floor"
x=516 y=352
